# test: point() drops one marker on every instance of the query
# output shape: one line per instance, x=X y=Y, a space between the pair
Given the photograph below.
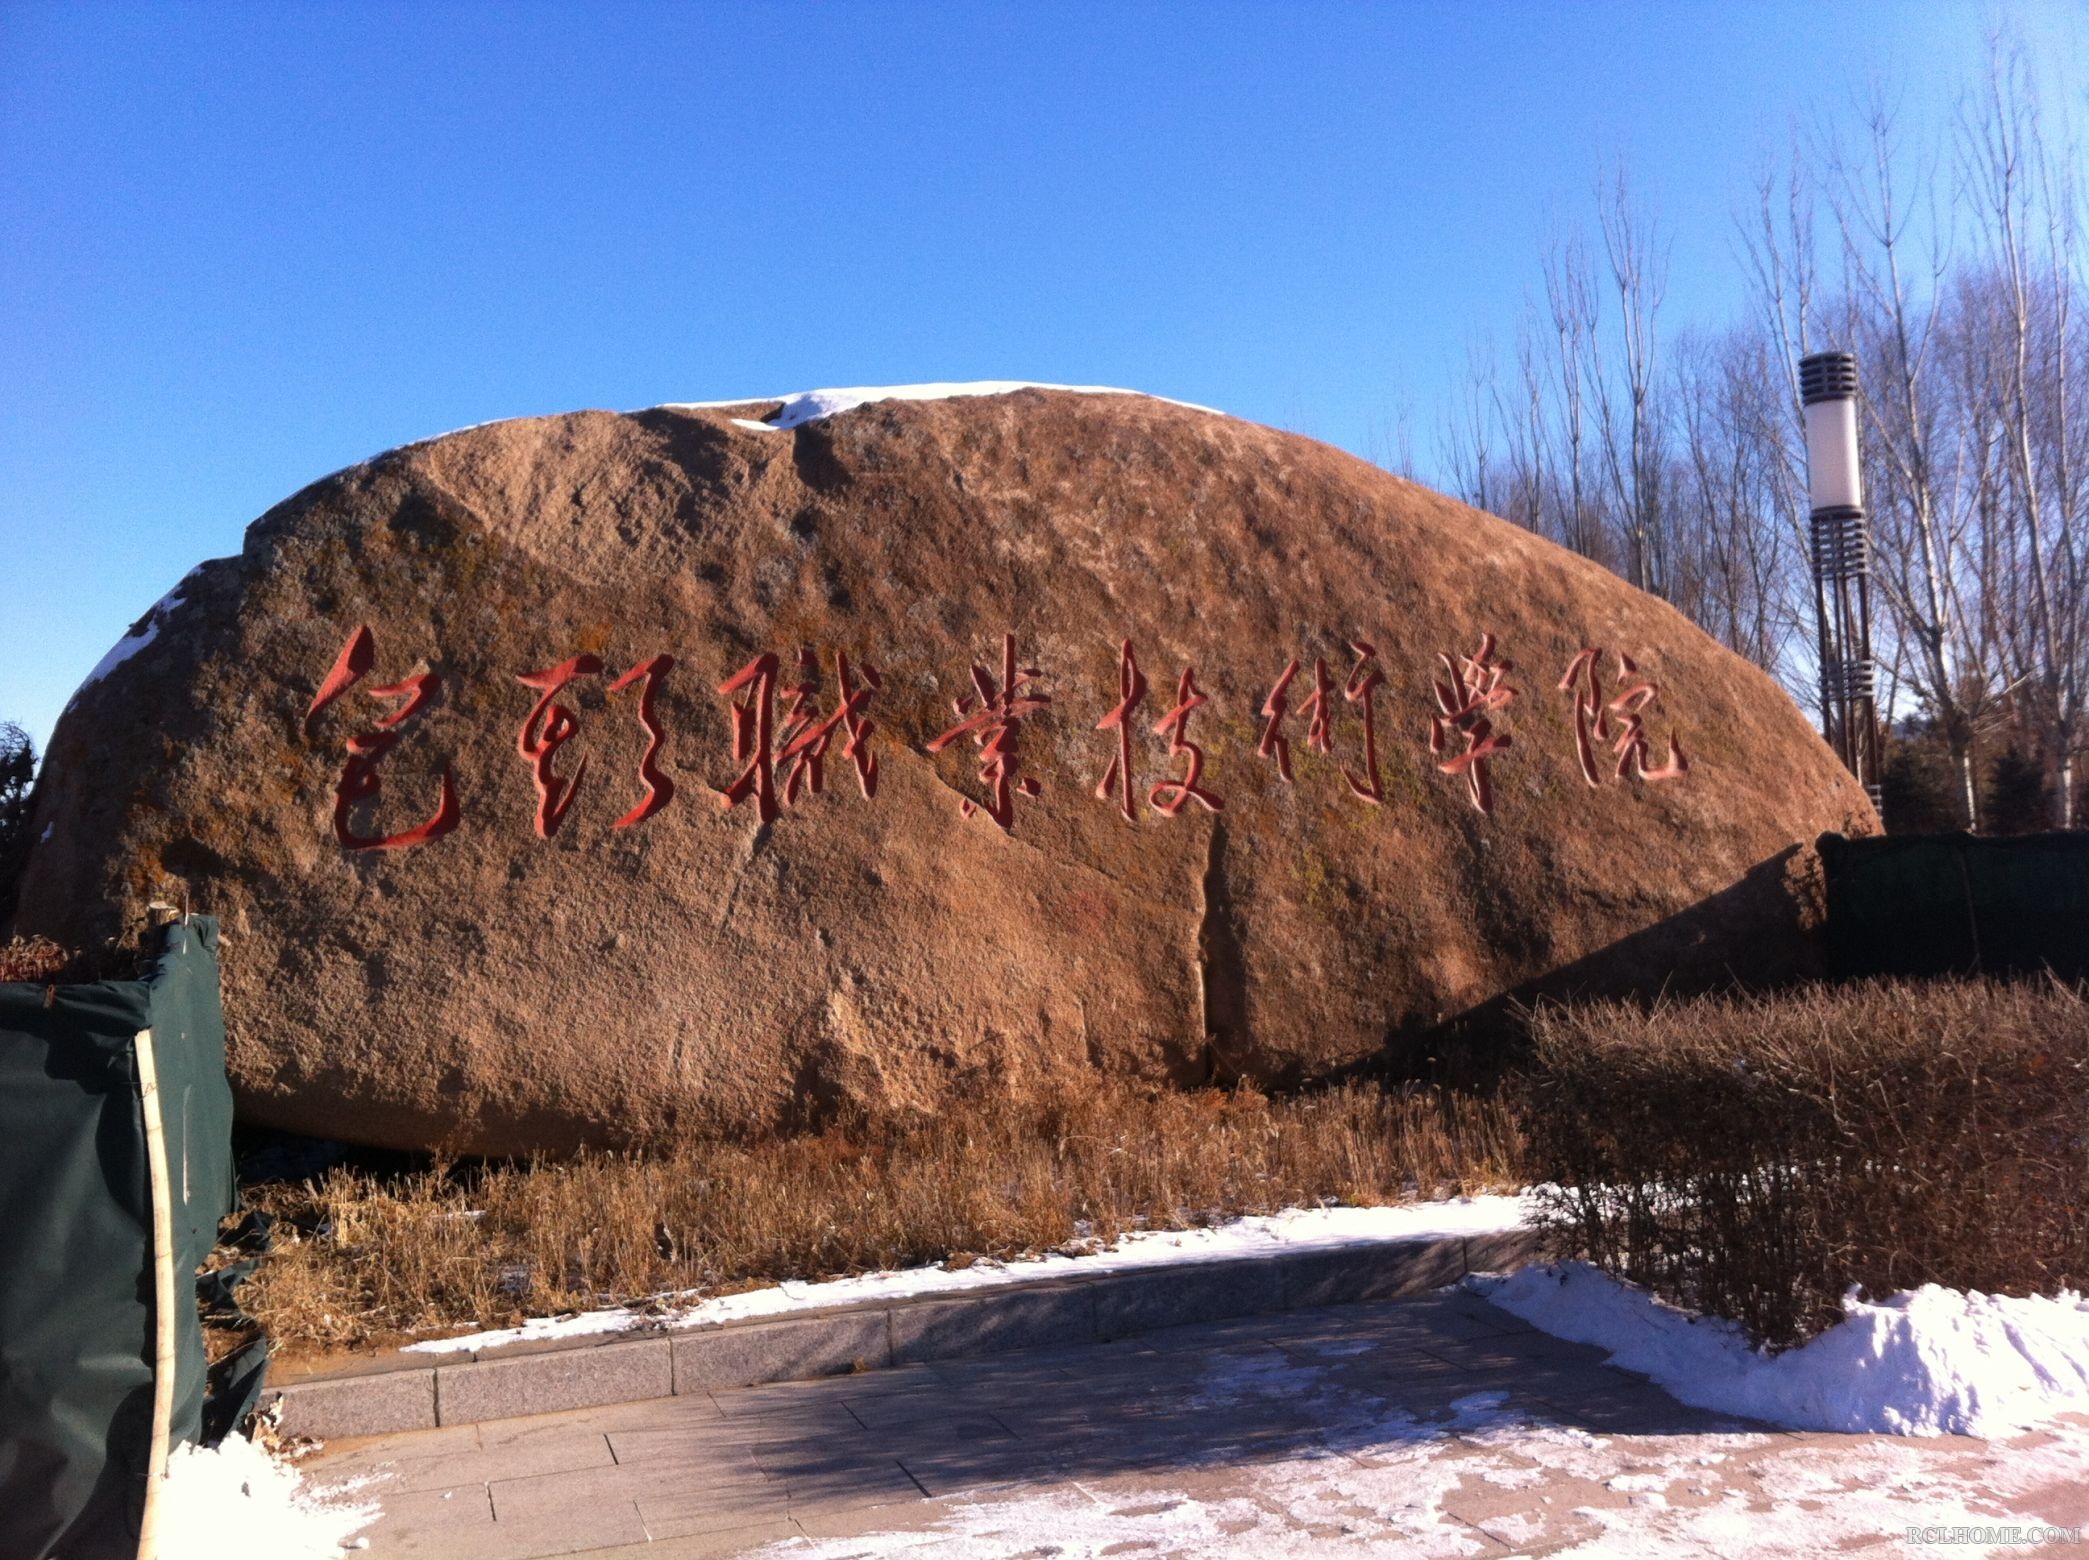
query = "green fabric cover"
x=1955 y=904
x=76 y=1323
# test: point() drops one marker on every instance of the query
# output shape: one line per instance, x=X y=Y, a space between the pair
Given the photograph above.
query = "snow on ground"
x=1493 y=1470
x=1932 y=1362
x=235 y=1499
x=1390 y=1483
x=1295 y=1229
x=805 y=406
x=1361 y=1475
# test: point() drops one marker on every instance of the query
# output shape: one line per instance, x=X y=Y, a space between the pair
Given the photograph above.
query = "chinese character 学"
x=1468 y=695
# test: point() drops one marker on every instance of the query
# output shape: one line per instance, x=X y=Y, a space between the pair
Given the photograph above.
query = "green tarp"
x=1954 y=904
x=76 y=1323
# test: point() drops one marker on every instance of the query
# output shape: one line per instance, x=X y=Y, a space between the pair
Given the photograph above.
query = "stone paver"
x=1426 y=1426
x=563 y=1379
x=492 y=1378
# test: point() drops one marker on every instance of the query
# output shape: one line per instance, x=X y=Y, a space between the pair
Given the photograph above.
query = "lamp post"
x=1841 y=564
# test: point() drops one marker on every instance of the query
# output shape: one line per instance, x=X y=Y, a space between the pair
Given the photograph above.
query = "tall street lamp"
x=1841 y=564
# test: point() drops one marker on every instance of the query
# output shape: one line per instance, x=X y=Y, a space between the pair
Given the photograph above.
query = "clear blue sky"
x=243 y=247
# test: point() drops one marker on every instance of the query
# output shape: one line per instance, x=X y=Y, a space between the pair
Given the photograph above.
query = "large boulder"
x=537 y=977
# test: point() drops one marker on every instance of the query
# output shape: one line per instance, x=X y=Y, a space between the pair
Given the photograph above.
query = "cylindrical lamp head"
x=1828 y=387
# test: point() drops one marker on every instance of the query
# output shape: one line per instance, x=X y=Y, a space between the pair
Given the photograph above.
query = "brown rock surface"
x=494 y=991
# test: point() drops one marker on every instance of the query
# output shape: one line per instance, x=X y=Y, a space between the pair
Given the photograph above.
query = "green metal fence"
x=1954 y=904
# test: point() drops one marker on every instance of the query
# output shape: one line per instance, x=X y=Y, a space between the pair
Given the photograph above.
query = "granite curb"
x=399 y=1391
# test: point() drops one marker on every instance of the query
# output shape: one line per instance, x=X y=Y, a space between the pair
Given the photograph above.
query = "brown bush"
x=39 y=961
x=1755 y=1157
x=992 y=1177
x=36 y=959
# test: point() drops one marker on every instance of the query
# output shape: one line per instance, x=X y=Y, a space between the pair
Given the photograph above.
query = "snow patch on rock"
x=800 y=407
x=139 y=635
x=808 y=406
x=1932 y=1361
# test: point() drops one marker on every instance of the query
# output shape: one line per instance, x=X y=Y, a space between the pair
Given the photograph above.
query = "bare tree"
x=1467 y=438
x=1917 y=518
x=1638 y=267
x=1735 y=568
x=1778 y=250
x=1679 y=459
x=17 y=791
x=1389 y=441
x=1572 y=311
x=2028 y=361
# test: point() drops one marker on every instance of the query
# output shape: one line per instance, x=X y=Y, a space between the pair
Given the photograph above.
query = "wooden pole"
x=163 y=1311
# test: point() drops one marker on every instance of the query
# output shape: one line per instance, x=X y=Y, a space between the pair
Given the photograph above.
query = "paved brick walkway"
x=1425 y=1427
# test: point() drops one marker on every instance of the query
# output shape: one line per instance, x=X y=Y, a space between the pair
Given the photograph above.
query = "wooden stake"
x=163 y=1314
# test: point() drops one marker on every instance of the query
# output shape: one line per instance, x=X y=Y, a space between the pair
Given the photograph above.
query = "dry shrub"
x=994 y=1177
x=39 y=961
x=1755 y=1157
x=35 y=959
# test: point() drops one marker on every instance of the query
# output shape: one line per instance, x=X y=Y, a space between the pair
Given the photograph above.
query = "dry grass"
x=1751 y=1157
x=1755 y=1157
x=473 y=1247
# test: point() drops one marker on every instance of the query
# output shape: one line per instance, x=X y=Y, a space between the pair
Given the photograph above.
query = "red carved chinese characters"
x=754 y=736
x=1169 y=797
x=806 y=736
x=853 y=700
x=993 y=716
x=1470 y=692
x=359 y=780
x=549 y=727
x=659 y=789
x=1593 y=720
x=784 y=735
x=1175 y=726
x=1274 y=743
x=356 y=657
x=1131 y=689
x=1320 y=711
x=1364 y=679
